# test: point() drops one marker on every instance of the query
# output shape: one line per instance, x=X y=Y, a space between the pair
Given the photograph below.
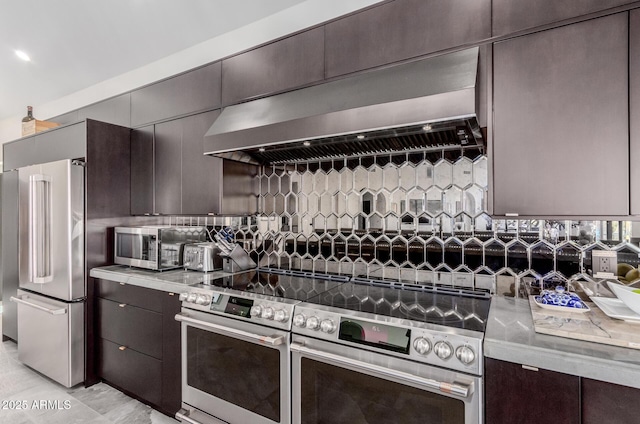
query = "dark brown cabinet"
x=116 y=110
x=282 y=65
x=517 y=394
x=634 y=108
x=608 y=403
x=561 y=121
x=191 y=92
x=138 y=342
x=401 y=30
x=510 y=16
x=170 y=173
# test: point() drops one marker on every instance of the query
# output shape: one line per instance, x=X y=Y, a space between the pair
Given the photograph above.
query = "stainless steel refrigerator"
x=52 y=294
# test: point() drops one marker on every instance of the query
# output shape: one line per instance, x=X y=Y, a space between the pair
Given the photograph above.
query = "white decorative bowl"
x=627 y=295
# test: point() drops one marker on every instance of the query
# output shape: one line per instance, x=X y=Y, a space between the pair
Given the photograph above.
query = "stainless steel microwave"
x=154 y=247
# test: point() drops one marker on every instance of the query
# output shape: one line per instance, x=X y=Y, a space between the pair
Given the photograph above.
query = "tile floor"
x=48 y=402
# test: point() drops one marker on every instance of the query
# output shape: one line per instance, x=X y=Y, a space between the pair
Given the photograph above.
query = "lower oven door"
x=233 y=370
x=343 y=385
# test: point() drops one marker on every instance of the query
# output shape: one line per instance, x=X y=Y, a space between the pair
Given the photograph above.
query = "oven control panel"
x=393 y=336
x=251 y=307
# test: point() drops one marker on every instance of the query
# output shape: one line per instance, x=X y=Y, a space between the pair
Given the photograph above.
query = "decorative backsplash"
x=417 y=217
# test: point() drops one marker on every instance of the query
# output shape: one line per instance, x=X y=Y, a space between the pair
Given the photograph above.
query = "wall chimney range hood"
x=430 y=103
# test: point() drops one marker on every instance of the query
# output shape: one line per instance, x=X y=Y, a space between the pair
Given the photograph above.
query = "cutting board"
x=592 y=326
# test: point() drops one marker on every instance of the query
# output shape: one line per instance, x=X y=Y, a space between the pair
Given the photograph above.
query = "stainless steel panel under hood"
x=425 y=103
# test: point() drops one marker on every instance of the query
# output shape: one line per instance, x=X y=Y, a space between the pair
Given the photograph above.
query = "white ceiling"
x=74 y=44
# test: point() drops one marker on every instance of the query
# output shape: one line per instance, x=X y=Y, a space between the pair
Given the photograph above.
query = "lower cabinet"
x=517 y=394
x=138 y=343
x=609 y=403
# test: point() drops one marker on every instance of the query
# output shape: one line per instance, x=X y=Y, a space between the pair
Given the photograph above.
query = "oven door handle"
x=448 y=388
x=245 y=335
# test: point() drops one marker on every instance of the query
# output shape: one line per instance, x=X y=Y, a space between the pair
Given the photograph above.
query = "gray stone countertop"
x=169 y=281
x=510 y=336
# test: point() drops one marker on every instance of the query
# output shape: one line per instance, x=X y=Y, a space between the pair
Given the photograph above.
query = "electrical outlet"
x=605 y=263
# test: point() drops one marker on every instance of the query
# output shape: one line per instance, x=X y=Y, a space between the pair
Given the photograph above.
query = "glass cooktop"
x=437 y=305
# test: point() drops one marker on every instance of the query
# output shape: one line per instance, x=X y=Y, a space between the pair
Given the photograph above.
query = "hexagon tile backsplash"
x=419 y=217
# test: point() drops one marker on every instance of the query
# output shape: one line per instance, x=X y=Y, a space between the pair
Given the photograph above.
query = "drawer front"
x=130 y=326
x=131 y=370
x=131 y=295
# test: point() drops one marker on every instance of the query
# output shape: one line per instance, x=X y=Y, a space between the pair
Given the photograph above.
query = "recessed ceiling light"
x=22 y=55
x=307 y=143
x=360 y=137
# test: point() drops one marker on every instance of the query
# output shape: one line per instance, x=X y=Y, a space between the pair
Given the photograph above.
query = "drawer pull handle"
x=122 y=305
x=122 y=347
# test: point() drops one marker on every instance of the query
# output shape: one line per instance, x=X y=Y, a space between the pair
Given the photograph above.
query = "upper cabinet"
x=170 y=173
x=193 y=91
x=561 y=121
x=116 y=110
x=401 y=30
x=285 y=64
x=634 y=108
x=514 y=15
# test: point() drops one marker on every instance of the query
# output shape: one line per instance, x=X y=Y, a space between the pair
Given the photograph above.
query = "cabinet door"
x=201 y=175
x=64 y=143
x=514 y=15
x=287 y=63
x=518 y=395
x=634 y=108
x=18 y=153
x=401 y=30
x=168 y=163
x=561 y=140
x=171 y=354
x=142 y=171
x=116 y=110
x=608 y=403
x=193 y=91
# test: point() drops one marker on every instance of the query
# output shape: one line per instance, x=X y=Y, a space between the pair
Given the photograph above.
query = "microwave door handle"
x=40 y=229
x=444 y=387
x=232 y=332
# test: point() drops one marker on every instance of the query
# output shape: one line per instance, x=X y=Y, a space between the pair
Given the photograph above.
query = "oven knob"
x=191 y=298
x=327 y=326
x=443 y=350
x=183 y=296
x=280 y=315
x=313 y=323
x=203 y=299
x=267 y=313
x=422 y=345
x=465 y=355
x=299 y=320
x=256 y=311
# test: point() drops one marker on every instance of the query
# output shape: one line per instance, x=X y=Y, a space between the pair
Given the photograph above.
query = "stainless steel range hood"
x=431 y=102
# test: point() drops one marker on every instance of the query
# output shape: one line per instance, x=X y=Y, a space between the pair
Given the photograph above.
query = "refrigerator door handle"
x=59 y=311
x=40 y=269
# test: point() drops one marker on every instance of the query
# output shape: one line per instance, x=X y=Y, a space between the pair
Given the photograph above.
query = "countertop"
x=510 y=336
x=168 y=281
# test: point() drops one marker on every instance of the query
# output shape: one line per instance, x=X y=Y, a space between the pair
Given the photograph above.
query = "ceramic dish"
x=584 y=308
x=615 y=308
x=628 y=295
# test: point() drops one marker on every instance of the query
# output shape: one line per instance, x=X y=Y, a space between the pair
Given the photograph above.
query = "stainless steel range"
x=379 y=352
x=236 y=363
x=272 y=346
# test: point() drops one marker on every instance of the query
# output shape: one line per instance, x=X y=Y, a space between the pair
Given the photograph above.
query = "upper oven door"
x=342 y=385
x=236 y=371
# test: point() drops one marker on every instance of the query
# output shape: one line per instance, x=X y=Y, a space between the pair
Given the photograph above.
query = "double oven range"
x=272 y=346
